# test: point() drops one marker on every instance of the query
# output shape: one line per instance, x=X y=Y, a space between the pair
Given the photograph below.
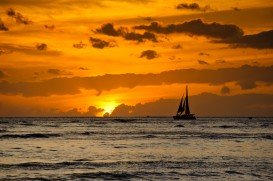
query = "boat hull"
x=184 y=117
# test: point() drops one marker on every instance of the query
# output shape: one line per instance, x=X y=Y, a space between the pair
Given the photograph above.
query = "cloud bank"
x=108 y=29
x=225 y=33
x=237 y=105
x=245 y=76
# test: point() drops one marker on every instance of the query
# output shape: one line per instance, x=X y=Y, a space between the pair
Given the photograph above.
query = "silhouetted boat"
x=183 y=112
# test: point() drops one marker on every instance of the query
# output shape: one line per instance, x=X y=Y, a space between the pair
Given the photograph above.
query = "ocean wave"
x=85 y=163
x=28 y=136
x=104 y=176
x=124 y=120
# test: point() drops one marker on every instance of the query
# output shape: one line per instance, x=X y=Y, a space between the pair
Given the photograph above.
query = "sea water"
x=136 y=149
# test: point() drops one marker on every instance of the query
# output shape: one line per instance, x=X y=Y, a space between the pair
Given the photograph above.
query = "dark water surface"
x=136 y=149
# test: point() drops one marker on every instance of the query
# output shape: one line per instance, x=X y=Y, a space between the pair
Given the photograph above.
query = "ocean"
x=136 y=149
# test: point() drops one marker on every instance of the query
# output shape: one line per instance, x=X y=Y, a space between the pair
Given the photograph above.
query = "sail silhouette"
x=183 y=111
x=181 y=106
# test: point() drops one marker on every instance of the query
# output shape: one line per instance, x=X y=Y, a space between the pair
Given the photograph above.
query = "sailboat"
x=183 y=112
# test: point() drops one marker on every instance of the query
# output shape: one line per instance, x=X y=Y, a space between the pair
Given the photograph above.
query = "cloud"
x=58 y=72
x=237 y=105
x=18 y=17
x=83 y=68
x=202 y=62
x=236 y=9
x=41 y=46
x=54 y=71
x=220 y=61
x=3 y=26
x=204 y=54
x=49 y=27
x=108 y=29
x=192 y=6
x=196 y=27
x=28 y=50
x=226 y=33
x=247 y=84
x=243 y=76
x=100 y=44
x=147 y=18
x=149 y=54
x=140 y=37
x=261 y=40
x=225 y=90
x=2 y=74
x=178 y=46
x=92 y=111
x=30 y=108
x=79 y=45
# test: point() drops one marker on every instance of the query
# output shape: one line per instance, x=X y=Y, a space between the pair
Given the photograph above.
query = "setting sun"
x=108 y=107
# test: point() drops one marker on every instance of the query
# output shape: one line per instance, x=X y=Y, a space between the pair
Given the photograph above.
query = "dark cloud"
x=237 y=105
x=3 y=26
x=247 y=84
x=93 y=111
x=123 y=110
x=83 y=68
x=100 y=44
x=196 y=27
x=204 y=54
x=106 y=114
x=80 y=45
x=2 y=75
x=236 y=9
x=29 y=50
x=178 y=46
x=41 y=46
x=58 y=72
x=26 y=109
x=202 y=62
x=54 y=71
x=261 y=40
x=221 y=61
x=140 y=37
x=225 y=90
x=149 y=54
x=227 y=33
x=243 y=76
x=147 y=18
x=108 y=29
x=192 y=6
x=49 y=27
x=18 y=17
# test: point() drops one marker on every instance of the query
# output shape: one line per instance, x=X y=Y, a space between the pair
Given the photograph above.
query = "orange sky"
x=55 y=56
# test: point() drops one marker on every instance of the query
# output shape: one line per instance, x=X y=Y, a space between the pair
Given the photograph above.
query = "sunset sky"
x=135 y=57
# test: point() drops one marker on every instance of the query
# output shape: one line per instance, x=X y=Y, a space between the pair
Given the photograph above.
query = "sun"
x=109 y=106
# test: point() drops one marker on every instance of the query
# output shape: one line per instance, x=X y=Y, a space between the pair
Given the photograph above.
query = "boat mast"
x=187 y=111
